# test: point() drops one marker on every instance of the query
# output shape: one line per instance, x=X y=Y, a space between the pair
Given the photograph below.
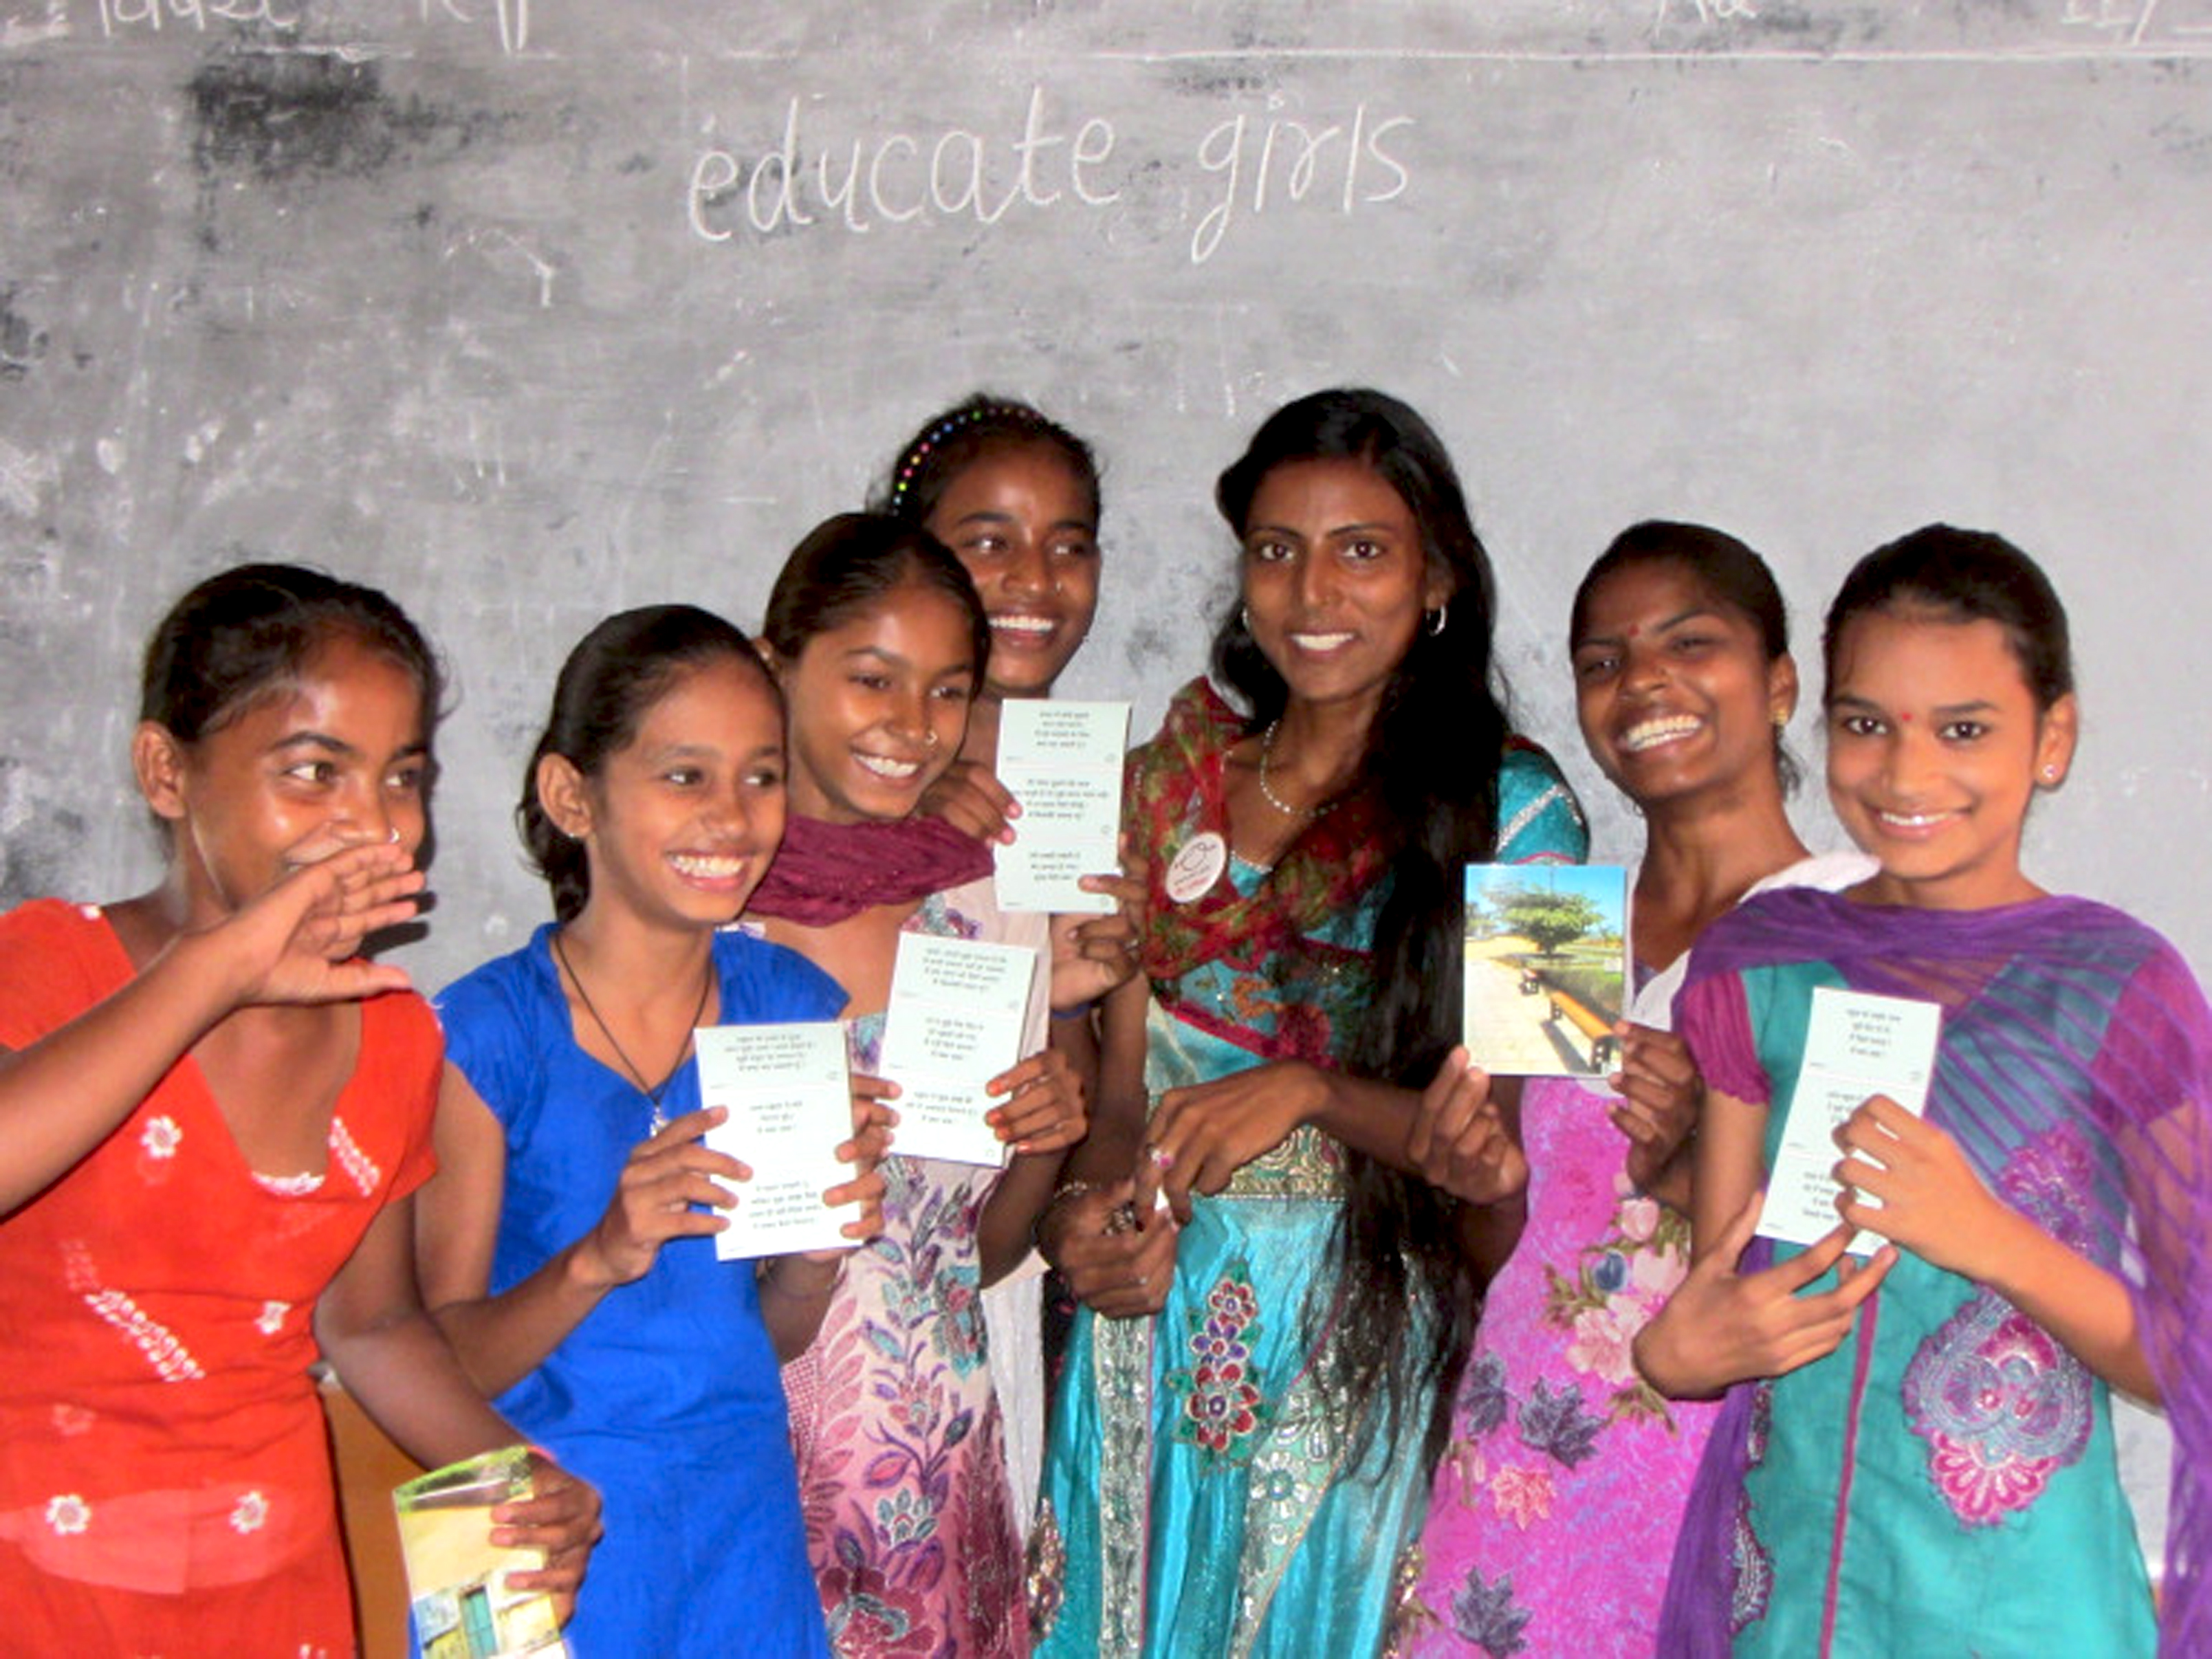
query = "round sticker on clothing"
x=1197 y=867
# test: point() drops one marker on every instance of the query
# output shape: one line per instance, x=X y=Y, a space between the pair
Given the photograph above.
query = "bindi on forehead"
x=1635 y=629
x=1904 y=717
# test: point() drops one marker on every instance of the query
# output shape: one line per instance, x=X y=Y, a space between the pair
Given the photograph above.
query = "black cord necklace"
x=652 y=1095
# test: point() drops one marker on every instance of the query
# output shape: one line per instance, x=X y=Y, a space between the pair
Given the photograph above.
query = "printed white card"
x=789 y=1095
x=1856 y=1045
x=959 y=1008
x=1062 y=761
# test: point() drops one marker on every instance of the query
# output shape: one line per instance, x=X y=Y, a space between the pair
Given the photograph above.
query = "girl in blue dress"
x=567 y=1240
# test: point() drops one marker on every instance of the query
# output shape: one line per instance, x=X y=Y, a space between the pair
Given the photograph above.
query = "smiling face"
x=878 y=705
x=1335 y=579
x=343 y=747
x=1935 y=749
x=680 y=823
x=1673 y=686
x=1027 y=529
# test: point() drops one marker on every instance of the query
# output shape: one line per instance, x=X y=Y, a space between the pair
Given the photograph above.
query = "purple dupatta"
x=2054 y=1001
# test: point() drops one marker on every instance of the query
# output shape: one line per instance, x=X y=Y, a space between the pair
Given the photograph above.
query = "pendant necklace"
x=652 y=1095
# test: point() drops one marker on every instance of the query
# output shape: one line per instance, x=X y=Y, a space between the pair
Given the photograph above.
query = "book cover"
x=457 y=1577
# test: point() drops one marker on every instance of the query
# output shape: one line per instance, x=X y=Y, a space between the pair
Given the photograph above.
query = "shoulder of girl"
x=55 y=959
x=483 y=989
x=401 y=1033
x=772 y=982
x=47 y=919
x=1536 y=800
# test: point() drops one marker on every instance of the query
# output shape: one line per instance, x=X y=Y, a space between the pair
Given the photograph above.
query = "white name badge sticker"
x=1197 y=867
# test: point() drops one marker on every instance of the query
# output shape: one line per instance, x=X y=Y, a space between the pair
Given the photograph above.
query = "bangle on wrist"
x=1081 y=1010
x=1067 y=1190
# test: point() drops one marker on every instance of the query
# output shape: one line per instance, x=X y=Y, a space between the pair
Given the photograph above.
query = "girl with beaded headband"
x=651 y=806
x=1015 y=495
x=1944 y=1481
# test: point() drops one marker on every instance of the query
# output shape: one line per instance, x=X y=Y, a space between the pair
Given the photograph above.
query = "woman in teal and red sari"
x=1233 y=1461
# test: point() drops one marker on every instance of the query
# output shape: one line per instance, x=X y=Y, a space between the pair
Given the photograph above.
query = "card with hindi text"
x=789 y=1091
x=1062 y=761
x=1857 y=1044
x=958 y=1012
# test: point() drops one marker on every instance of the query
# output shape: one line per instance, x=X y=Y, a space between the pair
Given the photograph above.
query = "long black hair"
x=1405 y=1306
x=610 y=683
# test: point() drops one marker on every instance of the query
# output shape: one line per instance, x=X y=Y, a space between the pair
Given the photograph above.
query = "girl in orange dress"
x=212 y=1113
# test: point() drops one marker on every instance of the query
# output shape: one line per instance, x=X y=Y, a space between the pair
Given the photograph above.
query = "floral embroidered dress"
x=1553 y=1516
x=1945 y=1481
x=1202 y=1496
x=165 y=1483
x=901 y=1460
x=665 y=1395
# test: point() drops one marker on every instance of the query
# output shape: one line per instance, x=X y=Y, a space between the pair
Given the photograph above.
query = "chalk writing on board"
x=2132 y=21
x=512 y=15
x=118 y=15
x=893 y=176
x=151 y=16
x=1707 y=12
x=1333 y=155
x=956 y=172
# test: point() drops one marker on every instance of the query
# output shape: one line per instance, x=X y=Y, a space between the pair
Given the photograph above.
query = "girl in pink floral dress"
x=879 y=641
x=1552 y=1517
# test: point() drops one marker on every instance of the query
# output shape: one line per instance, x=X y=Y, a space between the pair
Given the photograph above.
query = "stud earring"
x=2050 y=774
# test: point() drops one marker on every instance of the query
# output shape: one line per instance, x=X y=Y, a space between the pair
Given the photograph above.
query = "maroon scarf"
x=830 y=872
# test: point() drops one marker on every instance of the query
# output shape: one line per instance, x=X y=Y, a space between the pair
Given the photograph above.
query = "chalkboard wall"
x=528 y=311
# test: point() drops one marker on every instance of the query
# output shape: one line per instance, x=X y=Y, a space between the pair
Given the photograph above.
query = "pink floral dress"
x=1552 y=1517
x=1552 y=1520
x=901 y=1458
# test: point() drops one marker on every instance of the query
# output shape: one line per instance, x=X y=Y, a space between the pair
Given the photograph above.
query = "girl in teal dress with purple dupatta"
x=1918 y=1457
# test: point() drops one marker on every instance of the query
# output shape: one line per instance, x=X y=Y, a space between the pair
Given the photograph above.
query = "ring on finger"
x=1162 y=1159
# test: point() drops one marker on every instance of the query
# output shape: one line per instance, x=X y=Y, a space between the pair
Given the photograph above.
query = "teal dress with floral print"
x=1204 y=1492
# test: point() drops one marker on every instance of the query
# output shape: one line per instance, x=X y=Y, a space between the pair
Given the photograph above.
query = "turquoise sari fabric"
x=1204 y=1492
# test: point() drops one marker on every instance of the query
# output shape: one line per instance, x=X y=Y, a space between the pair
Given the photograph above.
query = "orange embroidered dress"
x=165 y=1484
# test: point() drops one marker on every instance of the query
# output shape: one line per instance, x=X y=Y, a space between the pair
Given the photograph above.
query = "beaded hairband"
x=936 y=434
